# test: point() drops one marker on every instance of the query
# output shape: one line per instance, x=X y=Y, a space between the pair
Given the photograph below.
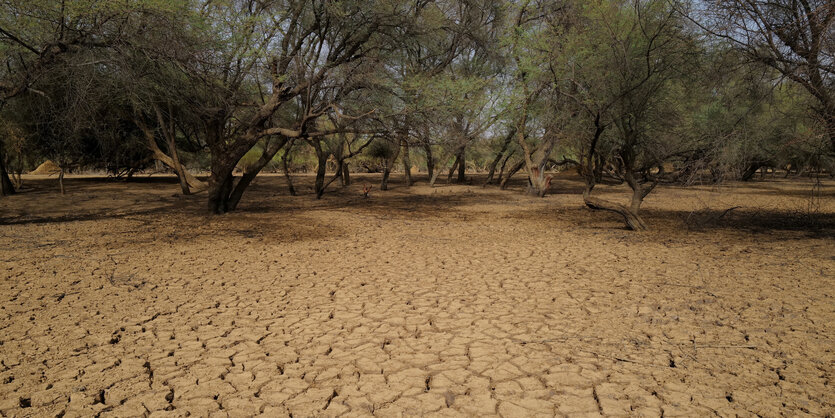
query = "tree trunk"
x=346 y=174
x=286 y=167
x=441 y=167
x=384 y=184
x=6 y=186
x=163 y=158
x=492 y=170
x=168 y=133
x=178 y=167
x=430 y=160
x=407 y=164
x=750 y=171
x=61 y=180
x=388 y=163
x=535 y=170
x=516 y=167
x=220 y=185
x=452 y=169
x=504 y=164
x=462 y=167
x=321 y=169
x=271 y=148
x=633 y=221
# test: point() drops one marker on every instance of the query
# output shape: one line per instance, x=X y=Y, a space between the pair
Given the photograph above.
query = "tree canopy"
x=635 y=91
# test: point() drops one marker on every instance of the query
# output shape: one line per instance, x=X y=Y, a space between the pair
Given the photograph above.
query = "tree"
x=795 y=37
x=273 y=55
x=35 y=36
x=530 y=45
x=624 y=74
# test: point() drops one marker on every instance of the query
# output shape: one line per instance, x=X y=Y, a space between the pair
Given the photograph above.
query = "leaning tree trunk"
x=749 y=172
x=178 y=167
x=630 y=214
x=632 y=219
x=452 y=169
x=504 y=164
x=270 y=150
x=173 y=163
x=492 y=167
x=168 y=133
x=6 y=186
x=441 y=167
x=518 y=166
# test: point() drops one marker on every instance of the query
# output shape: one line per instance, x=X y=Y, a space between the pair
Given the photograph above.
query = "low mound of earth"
x=125 y=299
x=47 y=168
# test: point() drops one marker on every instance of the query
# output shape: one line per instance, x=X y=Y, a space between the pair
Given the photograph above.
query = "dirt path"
x=454 y=301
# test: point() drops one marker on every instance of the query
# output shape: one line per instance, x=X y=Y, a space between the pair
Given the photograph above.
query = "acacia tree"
x=35 y=35
x=795 y=37
x=627 y=61
x=428 y=81
x=270 y=55
x=529 y=47
x=76 y=121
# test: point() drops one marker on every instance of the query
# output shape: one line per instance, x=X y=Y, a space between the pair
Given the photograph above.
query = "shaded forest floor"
x=126 y=299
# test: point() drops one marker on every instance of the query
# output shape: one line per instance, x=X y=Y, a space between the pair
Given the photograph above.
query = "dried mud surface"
x=126 y=300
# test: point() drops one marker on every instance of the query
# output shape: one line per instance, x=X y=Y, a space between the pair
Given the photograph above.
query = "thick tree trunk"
x=220 y=186
x=539 y=182
x=430 y=160
x=6 y=186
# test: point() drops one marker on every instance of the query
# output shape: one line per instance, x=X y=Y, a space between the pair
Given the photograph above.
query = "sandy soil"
x=125 y=299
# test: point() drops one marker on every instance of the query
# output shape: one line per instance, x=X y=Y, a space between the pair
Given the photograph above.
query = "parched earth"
x=126 y=300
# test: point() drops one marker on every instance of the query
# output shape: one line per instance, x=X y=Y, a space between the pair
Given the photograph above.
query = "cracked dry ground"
x=454 y=301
